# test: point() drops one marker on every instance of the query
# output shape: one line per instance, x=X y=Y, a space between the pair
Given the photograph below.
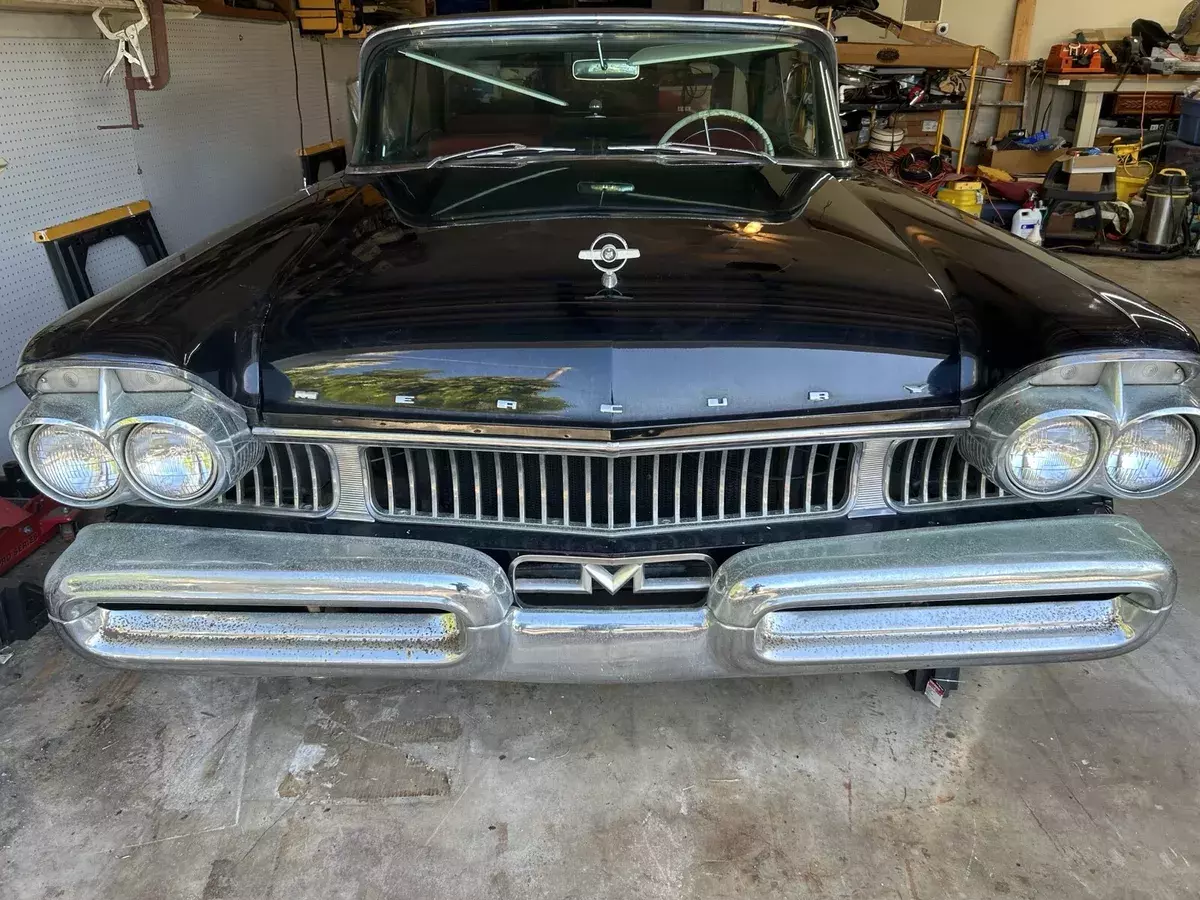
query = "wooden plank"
x=940 y=56
x=85 y=7
x=220 y=9
x=1018 y=48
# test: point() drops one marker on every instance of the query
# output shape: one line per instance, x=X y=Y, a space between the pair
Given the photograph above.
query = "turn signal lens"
x=1151 y=454
x=73 y=463
x=170 y=462
x=1053 y=456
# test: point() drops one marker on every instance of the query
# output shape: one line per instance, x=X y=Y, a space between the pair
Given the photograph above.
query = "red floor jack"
x=26 y=522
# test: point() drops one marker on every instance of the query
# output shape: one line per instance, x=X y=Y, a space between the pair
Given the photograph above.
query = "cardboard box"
x=1097 y=162
x=1086 y=173
x=1085 y=182
x=1022 y=162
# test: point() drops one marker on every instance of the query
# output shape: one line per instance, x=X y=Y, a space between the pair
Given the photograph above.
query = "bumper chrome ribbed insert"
x=572 y=492
x=216 y=600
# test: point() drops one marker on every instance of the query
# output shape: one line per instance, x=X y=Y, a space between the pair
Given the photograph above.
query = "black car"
x=601 y=362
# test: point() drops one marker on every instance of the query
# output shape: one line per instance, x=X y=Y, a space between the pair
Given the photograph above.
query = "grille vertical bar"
x=662 y=490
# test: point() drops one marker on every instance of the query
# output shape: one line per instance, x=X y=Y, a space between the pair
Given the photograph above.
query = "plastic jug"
x=1027 y=224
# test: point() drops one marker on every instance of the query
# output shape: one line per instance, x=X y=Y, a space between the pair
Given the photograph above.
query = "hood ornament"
x=609 y=253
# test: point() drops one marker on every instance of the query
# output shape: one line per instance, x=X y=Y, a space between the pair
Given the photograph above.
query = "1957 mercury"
x=601 y=362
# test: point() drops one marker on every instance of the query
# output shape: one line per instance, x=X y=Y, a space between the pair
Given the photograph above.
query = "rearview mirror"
x=604 y=70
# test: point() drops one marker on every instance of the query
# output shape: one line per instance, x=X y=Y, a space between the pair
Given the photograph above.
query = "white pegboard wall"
x=60 y=167
x=220 y=141
x=341 y=64
x=218 y=144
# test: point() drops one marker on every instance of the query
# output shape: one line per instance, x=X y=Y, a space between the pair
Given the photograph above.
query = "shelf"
x=895 y=106
x=85 y=7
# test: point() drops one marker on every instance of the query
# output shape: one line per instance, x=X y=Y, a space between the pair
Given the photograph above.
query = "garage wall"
x=218 y=144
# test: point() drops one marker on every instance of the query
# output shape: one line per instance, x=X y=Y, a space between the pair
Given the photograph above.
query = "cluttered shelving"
x=1133 y=192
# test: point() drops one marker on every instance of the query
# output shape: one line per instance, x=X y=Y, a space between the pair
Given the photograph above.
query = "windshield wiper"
x=693 y=150
x=496 y=150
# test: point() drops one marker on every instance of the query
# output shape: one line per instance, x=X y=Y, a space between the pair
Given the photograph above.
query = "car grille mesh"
x=605 y=493
x=927 y=472
x=290 y=479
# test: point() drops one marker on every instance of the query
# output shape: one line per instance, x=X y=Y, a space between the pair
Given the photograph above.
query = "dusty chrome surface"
x=1111 y=389
x=236 y=601
x=576 y=493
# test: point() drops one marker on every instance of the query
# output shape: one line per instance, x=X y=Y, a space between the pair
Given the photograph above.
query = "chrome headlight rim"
x=1102 y=429
x=120 y=435
x=29 y=431
x=1191 y=418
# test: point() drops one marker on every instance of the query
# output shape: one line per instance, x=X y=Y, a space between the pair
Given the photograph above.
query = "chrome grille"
x=931 y=472
x=290 y=479
x=610 y=493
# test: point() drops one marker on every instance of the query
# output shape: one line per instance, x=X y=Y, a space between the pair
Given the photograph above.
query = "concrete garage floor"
x=1043 y=781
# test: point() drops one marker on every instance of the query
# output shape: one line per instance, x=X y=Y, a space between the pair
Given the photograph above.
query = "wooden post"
x=966 y=126
x=941 y=131
x=1018 y=48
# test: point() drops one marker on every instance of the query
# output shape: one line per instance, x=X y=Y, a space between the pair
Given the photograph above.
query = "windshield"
x=685 y=96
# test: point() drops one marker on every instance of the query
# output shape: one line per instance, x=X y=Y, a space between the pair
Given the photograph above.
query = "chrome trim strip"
x=974 y=595
x=479 y=429
x=871 y=482
x=738 y=439
x=351 y=499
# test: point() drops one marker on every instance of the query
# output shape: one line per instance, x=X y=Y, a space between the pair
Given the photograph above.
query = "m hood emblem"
x=609 y=253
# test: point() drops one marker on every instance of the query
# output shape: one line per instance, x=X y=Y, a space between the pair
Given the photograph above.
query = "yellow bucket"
x=965 y=195
x=1128 y=185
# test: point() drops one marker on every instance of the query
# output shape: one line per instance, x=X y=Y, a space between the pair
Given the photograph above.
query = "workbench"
x=1092 y=89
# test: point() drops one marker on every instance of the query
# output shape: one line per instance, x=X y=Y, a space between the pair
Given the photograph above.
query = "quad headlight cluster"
x=1117 y=427
x=97 y=435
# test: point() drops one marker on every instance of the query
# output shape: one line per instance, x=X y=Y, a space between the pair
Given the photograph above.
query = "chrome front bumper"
x=221 y=600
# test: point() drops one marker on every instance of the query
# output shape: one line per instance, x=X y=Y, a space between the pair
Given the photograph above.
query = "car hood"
x=459 y=293
x=817 y=306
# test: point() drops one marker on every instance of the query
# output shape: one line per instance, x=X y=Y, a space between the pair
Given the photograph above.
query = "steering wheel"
x=705 y=114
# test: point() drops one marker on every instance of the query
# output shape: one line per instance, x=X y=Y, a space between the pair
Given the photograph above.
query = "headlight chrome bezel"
x=1009 y=479
x=1109 y=389
x=1189 y=418
x=136 y=482
x=173 y=397
x=42 y=484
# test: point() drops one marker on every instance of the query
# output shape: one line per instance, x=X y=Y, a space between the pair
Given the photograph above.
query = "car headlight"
x=1052 y=456
x=73 y=462
x=1150 y=454
x=170 y=462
